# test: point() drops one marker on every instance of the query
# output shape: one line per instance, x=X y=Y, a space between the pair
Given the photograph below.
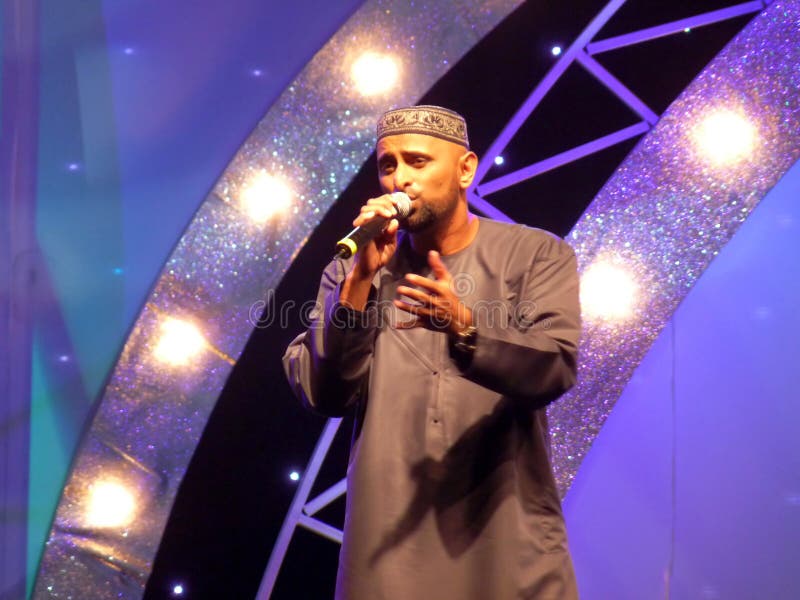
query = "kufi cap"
x=426 y=120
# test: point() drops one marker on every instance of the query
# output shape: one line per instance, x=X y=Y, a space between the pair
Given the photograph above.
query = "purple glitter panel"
x=677 y=199
x=299 y=158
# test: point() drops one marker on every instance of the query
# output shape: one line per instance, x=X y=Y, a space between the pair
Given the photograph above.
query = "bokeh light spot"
x=724 y=137
x=110 y=504
x=180 y=341
x=375 y=73
x=265 y=197
x=608 y=292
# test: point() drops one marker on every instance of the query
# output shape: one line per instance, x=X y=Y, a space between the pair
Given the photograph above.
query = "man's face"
x=427 y=169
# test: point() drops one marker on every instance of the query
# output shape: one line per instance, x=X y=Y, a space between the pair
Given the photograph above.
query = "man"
x=446 y=338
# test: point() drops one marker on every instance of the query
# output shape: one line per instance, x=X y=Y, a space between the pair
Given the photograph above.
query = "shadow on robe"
x=465 y=487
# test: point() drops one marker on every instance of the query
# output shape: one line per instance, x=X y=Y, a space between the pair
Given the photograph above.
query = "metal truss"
x=583 y=49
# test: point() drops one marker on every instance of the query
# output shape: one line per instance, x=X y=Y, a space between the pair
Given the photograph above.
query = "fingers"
x=431 y=301
x=368 y=213
x=414 y=294
x=430 y=317
x=437 y=266
x=424 y=304
x=418 y=310
x=432 y=285
x=389 y=233
x=440 y=285
x=381 y=205
x=392 y=227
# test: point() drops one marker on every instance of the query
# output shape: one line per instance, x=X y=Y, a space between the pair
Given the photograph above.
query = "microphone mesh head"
x=402 y=203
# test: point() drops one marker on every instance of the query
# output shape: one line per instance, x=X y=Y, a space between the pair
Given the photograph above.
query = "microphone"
x=360 y=236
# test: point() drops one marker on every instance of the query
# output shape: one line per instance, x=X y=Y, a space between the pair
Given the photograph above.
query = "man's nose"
x=402 y=178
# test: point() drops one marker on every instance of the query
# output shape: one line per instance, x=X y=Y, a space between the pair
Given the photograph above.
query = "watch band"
x=466 y=340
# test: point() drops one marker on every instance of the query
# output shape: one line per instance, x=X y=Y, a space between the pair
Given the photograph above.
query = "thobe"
x=450 y=492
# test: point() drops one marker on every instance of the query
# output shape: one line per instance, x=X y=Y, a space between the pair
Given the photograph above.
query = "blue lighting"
x=128 y=51
x=177 y=590
x=555 y=50
x=294 y=476
x=73 y=166
x=256 y=72
x=498 y=160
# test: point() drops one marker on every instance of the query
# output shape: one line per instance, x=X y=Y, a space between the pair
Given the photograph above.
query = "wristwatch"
x=466 y=339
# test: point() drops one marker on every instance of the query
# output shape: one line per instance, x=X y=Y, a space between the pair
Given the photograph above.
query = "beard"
x=421 y=219
x=427 y=215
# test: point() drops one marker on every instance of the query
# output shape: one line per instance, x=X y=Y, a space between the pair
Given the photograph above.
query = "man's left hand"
x=436 y=307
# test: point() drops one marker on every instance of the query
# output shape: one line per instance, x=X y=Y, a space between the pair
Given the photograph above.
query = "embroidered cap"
x=426 y=120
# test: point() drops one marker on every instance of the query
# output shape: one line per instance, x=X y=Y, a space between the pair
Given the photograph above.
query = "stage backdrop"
x=702 y=445
x=141 y=105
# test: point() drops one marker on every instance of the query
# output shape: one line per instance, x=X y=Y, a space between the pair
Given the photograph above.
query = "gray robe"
x=450 y=490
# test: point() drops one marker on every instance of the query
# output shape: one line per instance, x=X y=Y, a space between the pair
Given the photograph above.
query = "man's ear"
x=467 y=165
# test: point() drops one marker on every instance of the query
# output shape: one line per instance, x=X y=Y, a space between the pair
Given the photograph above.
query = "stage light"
x=73 y=166
x=608 y=292
x=294 y=476
x=264 y=197
x=177 y=590
x=725 y=137
x=555 y=50
x=129 y=51
x=180 y=342
x=374 y=73
x=687 y=30
x=256 y=72
x=110 y=504
x=498 y=160
x=64 y=358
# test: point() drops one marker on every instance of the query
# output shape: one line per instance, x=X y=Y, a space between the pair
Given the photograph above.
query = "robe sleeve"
x=327 y=365
x=534 y=356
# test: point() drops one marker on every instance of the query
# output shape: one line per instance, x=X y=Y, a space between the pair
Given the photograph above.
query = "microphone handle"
x=349 y=244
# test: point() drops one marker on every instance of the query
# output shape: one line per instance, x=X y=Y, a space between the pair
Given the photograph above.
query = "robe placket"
x=436 y=426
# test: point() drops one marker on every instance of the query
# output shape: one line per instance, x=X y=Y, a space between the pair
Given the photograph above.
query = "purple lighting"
x=553 y=162
x=256 y=72
x=642 y=219
x=73 y=166
x=177 y=590
x=499 y=160
x=555 y=50
x=685 y=25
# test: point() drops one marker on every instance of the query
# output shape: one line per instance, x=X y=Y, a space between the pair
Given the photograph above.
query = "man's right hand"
x=373 y=255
